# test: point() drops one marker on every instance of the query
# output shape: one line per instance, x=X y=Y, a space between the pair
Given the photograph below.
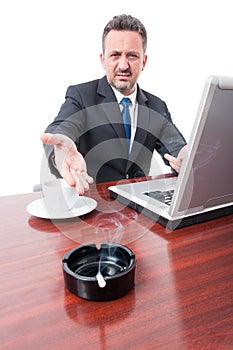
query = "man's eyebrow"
x=133 y=51
x=127 y=52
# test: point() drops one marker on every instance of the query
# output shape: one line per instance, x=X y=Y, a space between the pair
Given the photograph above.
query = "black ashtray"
x=99 y=273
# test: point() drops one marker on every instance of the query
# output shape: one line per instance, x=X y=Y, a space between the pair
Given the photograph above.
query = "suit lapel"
x=142 y=128
x=112 y=111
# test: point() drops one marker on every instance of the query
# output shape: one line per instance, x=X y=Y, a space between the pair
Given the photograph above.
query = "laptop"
x=203 y=190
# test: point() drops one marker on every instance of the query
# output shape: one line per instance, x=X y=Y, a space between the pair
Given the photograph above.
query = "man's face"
x=123 y=59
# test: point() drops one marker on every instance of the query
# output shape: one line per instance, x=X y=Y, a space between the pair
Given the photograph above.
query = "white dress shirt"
x=133 y=110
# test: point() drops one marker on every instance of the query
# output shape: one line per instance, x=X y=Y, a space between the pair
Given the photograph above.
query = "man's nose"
x=123 y=63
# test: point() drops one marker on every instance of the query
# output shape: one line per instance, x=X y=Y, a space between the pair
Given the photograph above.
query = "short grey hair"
x=125 y=22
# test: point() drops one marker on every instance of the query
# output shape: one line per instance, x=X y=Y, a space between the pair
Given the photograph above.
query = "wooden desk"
x=183 y=295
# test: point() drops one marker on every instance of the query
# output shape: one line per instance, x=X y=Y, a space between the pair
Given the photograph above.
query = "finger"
x=68 y=176
x=55 y=139
x=82 y=168
x=175 y=167
x=50 y=139
x=83 y=183
x=173 y=162
x=88 y=178
x=85 y=180
x=170 y=158
x=47 y=138
x=80 y=182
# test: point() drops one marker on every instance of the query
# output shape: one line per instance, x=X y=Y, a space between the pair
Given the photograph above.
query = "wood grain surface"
x=183 y=294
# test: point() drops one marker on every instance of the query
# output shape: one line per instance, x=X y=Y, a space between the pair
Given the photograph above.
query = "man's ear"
x=102 y=60
x=144 y=62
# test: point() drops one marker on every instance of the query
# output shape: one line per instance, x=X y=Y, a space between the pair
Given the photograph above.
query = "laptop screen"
x=209 y=177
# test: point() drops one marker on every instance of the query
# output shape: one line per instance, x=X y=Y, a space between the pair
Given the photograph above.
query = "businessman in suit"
x=88 y=141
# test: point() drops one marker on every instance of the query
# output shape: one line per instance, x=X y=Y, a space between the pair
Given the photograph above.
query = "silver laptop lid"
x=206 y=176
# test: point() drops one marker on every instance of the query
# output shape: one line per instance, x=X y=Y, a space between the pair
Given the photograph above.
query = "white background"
x=48 y=45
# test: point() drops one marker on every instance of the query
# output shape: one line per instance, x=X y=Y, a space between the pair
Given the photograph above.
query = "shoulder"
x=90 y=93
x=83 y=87
x=153 y=102
x=83 y=94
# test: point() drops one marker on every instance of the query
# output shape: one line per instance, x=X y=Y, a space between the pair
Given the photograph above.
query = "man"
x=87 y=141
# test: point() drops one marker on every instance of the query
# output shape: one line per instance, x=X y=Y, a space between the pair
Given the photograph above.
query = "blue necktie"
x=126 y=118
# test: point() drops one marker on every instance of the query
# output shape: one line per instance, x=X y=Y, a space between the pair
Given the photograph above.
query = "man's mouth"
x=123 y=75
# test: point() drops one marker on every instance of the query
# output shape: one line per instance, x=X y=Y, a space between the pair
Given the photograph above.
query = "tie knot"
x=125 y=101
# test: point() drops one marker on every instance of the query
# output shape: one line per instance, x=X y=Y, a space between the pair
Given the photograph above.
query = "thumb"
x=167 y=156
x=51 y=139
x=47 y=138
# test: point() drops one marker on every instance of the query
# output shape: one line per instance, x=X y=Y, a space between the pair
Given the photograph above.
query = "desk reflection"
x=202 y=266
x=101 y=319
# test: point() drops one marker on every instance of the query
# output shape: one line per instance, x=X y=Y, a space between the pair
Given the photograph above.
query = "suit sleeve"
x=70 y=122
x=170 y=139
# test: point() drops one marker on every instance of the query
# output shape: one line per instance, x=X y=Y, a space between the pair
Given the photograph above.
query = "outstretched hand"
x=176 y=162
x=69 y=162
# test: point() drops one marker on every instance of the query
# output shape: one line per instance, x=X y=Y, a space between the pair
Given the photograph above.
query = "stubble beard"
x=123 y=86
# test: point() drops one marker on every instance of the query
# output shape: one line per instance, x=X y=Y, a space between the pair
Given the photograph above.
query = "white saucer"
x=83 y=206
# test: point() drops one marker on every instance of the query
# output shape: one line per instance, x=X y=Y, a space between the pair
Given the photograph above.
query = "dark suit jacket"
x=91 y=117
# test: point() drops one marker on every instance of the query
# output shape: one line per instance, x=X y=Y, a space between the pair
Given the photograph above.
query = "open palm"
x=69 y=162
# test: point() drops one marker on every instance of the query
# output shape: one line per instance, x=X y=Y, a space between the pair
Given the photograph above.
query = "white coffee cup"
x=59 y=196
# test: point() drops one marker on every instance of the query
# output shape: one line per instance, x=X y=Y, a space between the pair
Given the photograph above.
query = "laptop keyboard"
x=162 y=196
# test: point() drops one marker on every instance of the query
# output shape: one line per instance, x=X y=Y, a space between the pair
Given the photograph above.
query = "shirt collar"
x=119 y=95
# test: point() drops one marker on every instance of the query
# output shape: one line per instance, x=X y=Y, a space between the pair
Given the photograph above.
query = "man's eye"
x=133 y=55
